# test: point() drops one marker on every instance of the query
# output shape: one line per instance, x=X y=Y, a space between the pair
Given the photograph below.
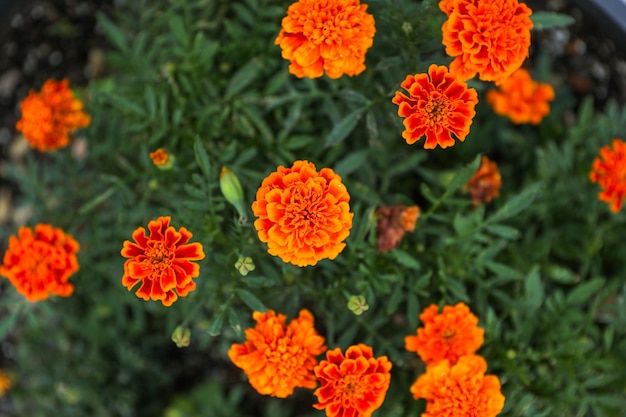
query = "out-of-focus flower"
x=609 y=171
x=303 y=215
x=522 y=99
x=181 y=336
x=244 y=265
x=438 y=106
x=329 y=36
x=279 y=358
x=353 y=385
x=39 y=263
x=162 y=262
x=162 y=159
x=448 y=335
x=490 y=38
x=50 y=116
x=393 y=223
x=5 y=382
x=485 y=184
x=357 y=304
x=459 y=390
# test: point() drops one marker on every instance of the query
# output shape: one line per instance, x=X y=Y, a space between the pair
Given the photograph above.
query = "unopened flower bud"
x=357 y=304
x=244 y=265
x=232 y=191
x=181 y=336
x=162 y=159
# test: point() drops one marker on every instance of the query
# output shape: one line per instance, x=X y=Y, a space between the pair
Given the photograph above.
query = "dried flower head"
x=485 y=184
x=50 y=116
x=459 y=390
x=303 y=215
x=393 y=223
x=448 y=335
x=490 y=38
x=522 y=99
x=438 y=105
x=326 y=35
x=39 y=263
x=609 y=171
x=353 y=385
x=162 y=262
x=279 y=358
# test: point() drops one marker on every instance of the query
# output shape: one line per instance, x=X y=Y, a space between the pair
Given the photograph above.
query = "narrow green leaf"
x=561 y=274
x=243 y=77
x=500 y=230
x=7 y=323
x=177 y=26
x=516 y=204
x=463 y=176
x=503 y=271
x=405 y=259
x=413 y=310
x=395 y=299
x=235 y=322
x=96 y=201
x=534 y=290
x=583 y=292
x=352 y=162
x=113 y=32
x=251 y=300
x=215 y=328
x=462 y=225
x=202 y=158
x=344 y=127
x=550 y=20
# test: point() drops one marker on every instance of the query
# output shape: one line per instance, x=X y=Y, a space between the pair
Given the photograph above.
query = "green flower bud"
x=244 y=265
x=357 y=304
x=232 y=191
x=181 y=336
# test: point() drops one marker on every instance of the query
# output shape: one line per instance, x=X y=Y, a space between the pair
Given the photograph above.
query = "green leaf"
x=583 y=292
x=534 y=290
x=177 y=26
x=202 y=158
x=413 y=310
x=243 y=77
x=344 y=127
x=516 y=204
x=463 y=176
x=561 y=274
x=506 y=232
x=251 y=300
x=96 y=201
x=113 y=32
x=503 y=271
x=550 y=20
x=462 y=225
x=351 y=163
x=405 y=259
x=394 y=300
x=7 y=323
x=215 y=328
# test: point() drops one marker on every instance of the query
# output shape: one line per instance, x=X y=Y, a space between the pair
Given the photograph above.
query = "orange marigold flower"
x=609 y=170
x=446 y=6
x=448 y=335
x=393 y=223
x=326 y=35
x=39 y=263
x=353 y=385
x=279 y=358
x=161 y=262
x=303 y=215
x=49 y=117
x=438 y=105
x=522 y=99
x=5 y=382
x=485 y=184
x=490 y=38
x=459 y=390
x=160 y=157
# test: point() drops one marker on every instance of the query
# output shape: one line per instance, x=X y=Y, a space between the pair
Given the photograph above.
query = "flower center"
x=437 y=108
x=159 y=257
x=352 y=388
x=448 y=334
x=303 y=209
x=286 y=357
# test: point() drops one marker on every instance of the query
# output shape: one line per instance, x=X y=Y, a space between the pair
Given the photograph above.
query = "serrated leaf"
x=517 y=203
x=344 y=127
x=202 y=158
x=583 y=292
x=534 y=290
x=405 y=259
x=251 y=300
x=550 y=20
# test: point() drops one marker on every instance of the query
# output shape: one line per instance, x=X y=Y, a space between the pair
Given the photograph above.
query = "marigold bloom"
x=609 y=171
x=485 y=184
x=459 y=390
x=39 y=263
x=448 y=335
x=161 y=262
x=279 y=358
x=353 y=385
x=490 y=38
x=160 y=157
x=522 y=99
x=5 y=382
x=303 y=215
x=49 y=117
x=393 y=223
x=446 y=6
x=326 y=35
x=438 y=105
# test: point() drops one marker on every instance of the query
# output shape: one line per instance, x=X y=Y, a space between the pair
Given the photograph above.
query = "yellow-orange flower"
x=609 y=171
x=438 y=106
x=459 y=390
x=160 y=157
x=393 y=223
x=485 y=184
x=490 y=38
x=326 y=35
x=522 y=99
x=279 y=358
x=5 y=382
x=353 y=385
x=162 y=262
x=49 y=117
x=303 y=215
x=446 y=6
x=39 y=263
x=448 y=335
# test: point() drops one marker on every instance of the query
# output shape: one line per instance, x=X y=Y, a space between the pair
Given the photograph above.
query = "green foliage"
x=542 y=266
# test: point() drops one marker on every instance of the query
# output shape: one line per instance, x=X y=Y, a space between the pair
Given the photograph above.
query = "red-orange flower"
x=160 y=157
x=5 y=382
x=459 y=390
x=490 y=38
x=326 y=35
x=485 y=184
x=49 y=117
x=393 y=223
x=438 y=105
x=353 y=385
x=39 y=263
x=448 y=335
x=161 y=262
x=446 y=6
x=279 y=358
x=609 y=171
x=303 y=215
x=522 y=99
